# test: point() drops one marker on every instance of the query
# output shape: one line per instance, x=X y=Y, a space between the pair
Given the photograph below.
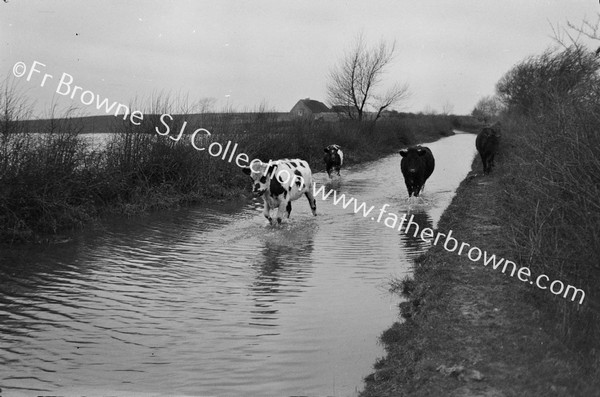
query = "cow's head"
x=412 y=158
x=332 y=149
x=261 y=174
x=331 y=152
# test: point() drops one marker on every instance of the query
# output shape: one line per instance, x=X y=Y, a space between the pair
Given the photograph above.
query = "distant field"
x=106 y=123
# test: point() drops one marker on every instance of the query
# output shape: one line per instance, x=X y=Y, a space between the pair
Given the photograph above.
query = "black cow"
x=334 y=158
x=417 y=165
x=487 y=143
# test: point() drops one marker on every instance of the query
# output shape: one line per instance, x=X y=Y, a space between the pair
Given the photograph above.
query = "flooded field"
x=213 y=301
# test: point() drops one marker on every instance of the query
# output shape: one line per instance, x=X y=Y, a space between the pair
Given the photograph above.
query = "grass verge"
x=473 y=331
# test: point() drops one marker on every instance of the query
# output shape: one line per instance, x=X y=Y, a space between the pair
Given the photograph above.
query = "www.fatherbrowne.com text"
x=451 y=244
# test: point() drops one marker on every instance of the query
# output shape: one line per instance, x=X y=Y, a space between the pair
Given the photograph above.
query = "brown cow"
x=487 y=143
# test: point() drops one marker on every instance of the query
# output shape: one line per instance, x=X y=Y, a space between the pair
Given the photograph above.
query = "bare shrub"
x=552 y=180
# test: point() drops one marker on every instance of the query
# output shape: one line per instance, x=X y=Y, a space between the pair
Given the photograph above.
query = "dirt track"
x=470 y=330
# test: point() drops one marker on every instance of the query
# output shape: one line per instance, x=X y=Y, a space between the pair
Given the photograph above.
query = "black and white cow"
x=417 y=165
x=334 y=158
x=281 y=182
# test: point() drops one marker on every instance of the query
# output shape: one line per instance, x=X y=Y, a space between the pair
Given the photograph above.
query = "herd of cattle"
x=283 y=181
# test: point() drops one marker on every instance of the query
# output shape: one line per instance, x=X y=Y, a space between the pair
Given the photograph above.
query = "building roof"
x=315 y=106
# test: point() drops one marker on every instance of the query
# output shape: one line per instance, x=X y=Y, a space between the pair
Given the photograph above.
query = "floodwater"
x=213 y=301
x=98 y=140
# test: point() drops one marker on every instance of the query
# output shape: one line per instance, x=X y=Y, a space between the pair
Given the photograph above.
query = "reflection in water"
x=282 y=260
x=412 y=237
x=283 y=268
x=212 y=301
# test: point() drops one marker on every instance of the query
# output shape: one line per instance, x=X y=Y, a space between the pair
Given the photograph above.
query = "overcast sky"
x=274 y=52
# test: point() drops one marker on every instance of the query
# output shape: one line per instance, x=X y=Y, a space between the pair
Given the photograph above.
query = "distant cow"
x=281 y=182
x=417 y=165
x=487 y=143
x=334 y=158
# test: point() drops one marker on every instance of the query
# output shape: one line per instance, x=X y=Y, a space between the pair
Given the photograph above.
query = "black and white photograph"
x=299 y=199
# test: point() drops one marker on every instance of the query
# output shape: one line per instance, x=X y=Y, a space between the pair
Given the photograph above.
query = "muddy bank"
x=470 y=330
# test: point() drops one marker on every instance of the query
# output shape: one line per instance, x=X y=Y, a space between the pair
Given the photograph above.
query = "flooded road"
x=213 y=301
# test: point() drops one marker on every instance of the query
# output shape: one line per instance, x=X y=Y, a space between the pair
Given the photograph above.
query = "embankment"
x=471 y=330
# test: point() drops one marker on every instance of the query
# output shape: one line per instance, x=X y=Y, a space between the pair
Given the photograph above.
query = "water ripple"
x=216 y=301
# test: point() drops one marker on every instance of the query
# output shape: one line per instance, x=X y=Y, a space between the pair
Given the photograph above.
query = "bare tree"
x=574 y=33
x=206 y=105
x=354 y=80
x=429 y=111
x=447 y=108
x=487 y=108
